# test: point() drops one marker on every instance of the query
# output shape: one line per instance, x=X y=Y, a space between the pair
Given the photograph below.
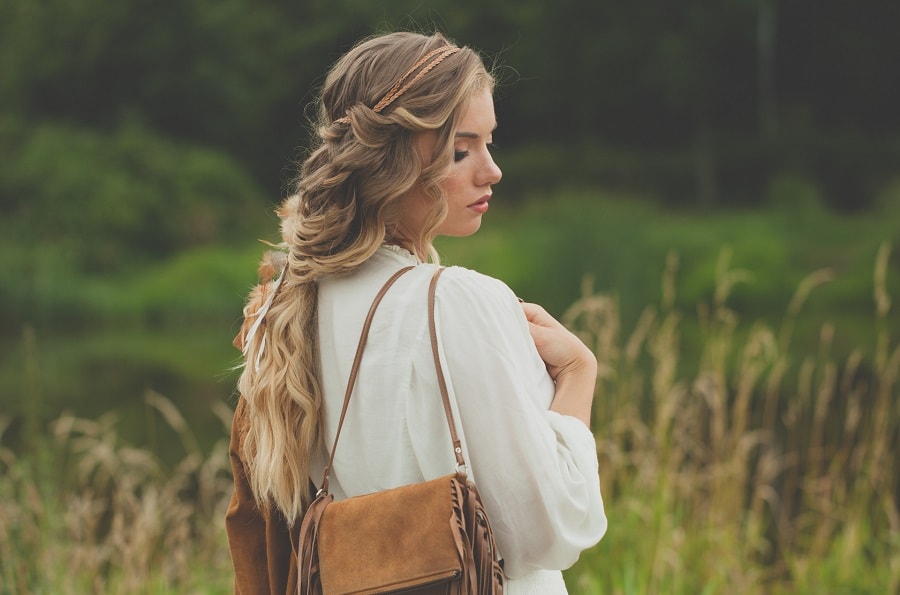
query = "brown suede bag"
x=427 y=538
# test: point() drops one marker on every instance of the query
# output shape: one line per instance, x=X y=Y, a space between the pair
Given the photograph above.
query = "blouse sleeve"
x=536 y=470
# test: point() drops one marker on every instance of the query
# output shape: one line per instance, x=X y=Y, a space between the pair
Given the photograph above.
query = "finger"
x=536 y=314
x=539 y=333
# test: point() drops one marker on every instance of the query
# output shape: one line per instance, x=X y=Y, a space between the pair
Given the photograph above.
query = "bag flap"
x=391 y=539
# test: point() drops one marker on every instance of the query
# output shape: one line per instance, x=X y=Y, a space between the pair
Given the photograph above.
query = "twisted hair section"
x=348 y=202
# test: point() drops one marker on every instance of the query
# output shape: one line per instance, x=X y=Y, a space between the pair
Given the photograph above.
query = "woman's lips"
x=481 y=205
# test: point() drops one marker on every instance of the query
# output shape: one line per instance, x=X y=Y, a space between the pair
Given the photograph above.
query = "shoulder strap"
x=432 y=330
x=354 y=371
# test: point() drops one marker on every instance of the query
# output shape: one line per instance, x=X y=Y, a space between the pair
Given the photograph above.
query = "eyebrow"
x=473 y=134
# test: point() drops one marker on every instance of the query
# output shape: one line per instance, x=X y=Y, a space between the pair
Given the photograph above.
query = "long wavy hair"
x=347 y=204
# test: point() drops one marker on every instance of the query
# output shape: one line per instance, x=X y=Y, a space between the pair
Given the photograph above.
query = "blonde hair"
x=347 y=204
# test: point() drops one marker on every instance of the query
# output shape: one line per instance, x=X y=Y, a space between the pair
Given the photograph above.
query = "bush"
x=79 y=204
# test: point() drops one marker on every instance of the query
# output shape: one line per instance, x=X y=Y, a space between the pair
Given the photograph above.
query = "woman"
x=405 y=123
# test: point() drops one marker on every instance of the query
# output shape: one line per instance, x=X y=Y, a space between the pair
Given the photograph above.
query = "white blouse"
x=536 y=470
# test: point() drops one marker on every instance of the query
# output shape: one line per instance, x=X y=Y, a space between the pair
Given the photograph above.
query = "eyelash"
x=460 y=155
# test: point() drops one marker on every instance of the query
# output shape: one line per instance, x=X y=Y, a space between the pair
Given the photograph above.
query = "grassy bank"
x=100 y=340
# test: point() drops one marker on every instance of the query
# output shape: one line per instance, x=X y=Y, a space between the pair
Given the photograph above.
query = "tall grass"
x=746 y=470
x=85 y=512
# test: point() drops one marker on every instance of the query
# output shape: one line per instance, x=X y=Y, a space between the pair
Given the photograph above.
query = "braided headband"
x=402 y=85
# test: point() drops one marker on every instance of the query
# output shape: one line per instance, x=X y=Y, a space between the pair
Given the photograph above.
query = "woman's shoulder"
x=468 y=294
x=462 y=282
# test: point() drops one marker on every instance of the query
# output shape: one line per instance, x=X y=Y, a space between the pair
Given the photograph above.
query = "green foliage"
x=219 y=73
x=80 y=205
x=704 y=101
x=545 y=250
x=112 y=198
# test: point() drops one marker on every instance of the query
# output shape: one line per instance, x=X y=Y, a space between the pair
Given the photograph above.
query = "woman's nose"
x=491 y=173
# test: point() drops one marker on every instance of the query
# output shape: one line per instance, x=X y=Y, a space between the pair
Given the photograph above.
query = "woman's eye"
x=460 y=155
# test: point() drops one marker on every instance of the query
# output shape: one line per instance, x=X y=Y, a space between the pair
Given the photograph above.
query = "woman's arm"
x=530 y=449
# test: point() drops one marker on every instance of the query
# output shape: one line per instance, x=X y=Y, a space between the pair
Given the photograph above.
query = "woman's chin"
x=461 y=231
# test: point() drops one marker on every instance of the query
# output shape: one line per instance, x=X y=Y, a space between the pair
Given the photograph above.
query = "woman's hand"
x=569 y=362
x=561 y=350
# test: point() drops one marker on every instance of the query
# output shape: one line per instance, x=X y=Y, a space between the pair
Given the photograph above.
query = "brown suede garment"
x=259 y=539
